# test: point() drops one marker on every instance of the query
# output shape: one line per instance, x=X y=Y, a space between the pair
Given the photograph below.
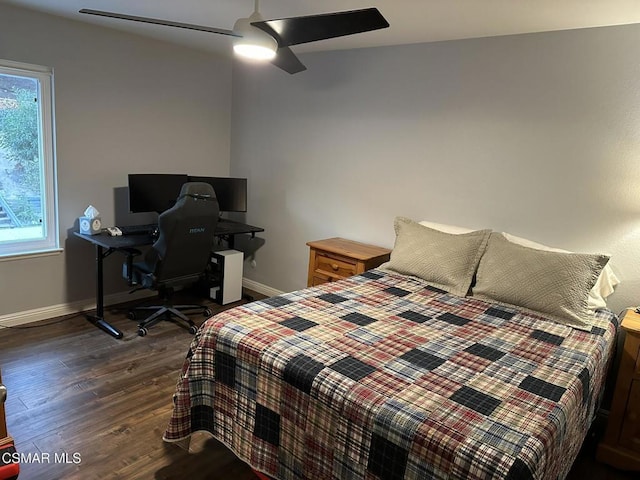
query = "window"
x=28 y=210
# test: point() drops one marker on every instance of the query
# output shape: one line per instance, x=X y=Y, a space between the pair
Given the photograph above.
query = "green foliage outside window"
x=20 y=178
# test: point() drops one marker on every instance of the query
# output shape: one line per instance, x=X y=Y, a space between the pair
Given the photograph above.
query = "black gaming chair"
x=179 y=256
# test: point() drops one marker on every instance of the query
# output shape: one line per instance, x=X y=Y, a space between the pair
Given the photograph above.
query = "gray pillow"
x=553 y=283
x=447 y=261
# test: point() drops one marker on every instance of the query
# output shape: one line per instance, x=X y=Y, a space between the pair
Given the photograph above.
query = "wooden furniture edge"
x=343 y=246
x=609 y=450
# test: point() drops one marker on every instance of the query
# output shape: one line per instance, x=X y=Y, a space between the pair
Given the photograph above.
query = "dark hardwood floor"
x=106 y=402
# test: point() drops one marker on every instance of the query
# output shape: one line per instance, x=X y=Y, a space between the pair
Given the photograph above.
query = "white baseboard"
x=52 y=311
x=260 y=288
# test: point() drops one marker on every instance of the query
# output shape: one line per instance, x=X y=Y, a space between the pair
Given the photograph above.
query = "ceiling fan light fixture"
x=254 y=52
x=253 y=42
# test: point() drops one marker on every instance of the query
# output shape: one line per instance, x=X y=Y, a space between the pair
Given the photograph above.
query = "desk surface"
x=125 y=241
x=231 y=227
x=224 y=227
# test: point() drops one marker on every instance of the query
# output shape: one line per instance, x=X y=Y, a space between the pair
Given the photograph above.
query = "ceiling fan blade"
x=287 y=61
x=297 y=30
x=156 y=21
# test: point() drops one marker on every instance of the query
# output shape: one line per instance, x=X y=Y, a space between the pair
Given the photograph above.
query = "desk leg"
x=98 y=319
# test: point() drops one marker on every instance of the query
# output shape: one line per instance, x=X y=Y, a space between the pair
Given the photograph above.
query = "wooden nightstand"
x=336 y=258
x=621 y=444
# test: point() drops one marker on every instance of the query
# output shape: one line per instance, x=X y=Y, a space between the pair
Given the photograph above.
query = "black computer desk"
x=106 y=245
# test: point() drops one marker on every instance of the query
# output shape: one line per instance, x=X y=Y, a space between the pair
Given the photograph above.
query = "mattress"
x=381 y=376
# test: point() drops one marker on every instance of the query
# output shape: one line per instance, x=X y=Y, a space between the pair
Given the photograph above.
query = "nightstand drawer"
x=319 y=279
x=635 y=342
x=632 y=347
x=630 y=434
x=620 y=446
x=334 y=265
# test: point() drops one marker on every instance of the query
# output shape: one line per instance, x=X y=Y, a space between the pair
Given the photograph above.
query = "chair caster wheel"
x=207 y=312
x=193 y=329
x=131 y=315
x=142 y=331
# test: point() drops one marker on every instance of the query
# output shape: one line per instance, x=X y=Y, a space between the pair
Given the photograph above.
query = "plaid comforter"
x=380 y=376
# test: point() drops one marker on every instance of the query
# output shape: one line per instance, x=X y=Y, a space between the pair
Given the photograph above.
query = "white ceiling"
x=412 y=21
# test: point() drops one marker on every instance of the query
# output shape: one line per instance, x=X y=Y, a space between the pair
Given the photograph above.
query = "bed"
x=389 y=375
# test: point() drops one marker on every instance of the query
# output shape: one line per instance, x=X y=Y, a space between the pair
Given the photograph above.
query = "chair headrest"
x=197 y=190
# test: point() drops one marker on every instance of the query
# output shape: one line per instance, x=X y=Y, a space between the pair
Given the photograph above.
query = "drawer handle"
x=335 y=266
x=3 y=393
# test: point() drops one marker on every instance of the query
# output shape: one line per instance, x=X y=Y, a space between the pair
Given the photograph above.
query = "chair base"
x=169 y=313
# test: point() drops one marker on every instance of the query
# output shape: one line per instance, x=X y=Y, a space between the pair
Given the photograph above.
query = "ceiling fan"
x=262 y=39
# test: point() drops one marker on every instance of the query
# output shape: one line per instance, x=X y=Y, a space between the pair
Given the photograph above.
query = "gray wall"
x=537 y=135
x=123 y=104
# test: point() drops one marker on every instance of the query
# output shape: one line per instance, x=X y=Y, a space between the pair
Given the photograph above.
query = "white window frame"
x=50 y=243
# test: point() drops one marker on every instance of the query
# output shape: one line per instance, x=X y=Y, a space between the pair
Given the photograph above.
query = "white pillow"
x=604 y=287
x=446 y=228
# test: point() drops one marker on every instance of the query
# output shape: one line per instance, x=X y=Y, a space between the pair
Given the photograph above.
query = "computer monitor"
x=154 y=192
x=230 y=192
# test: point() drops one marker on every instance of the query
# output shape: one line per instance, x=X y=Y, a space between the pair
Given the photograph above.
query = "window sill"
x=22 y=256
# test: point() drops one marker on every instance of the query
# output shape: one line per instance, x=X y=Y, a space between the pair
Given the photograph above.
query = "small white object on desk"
x=114 y=231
